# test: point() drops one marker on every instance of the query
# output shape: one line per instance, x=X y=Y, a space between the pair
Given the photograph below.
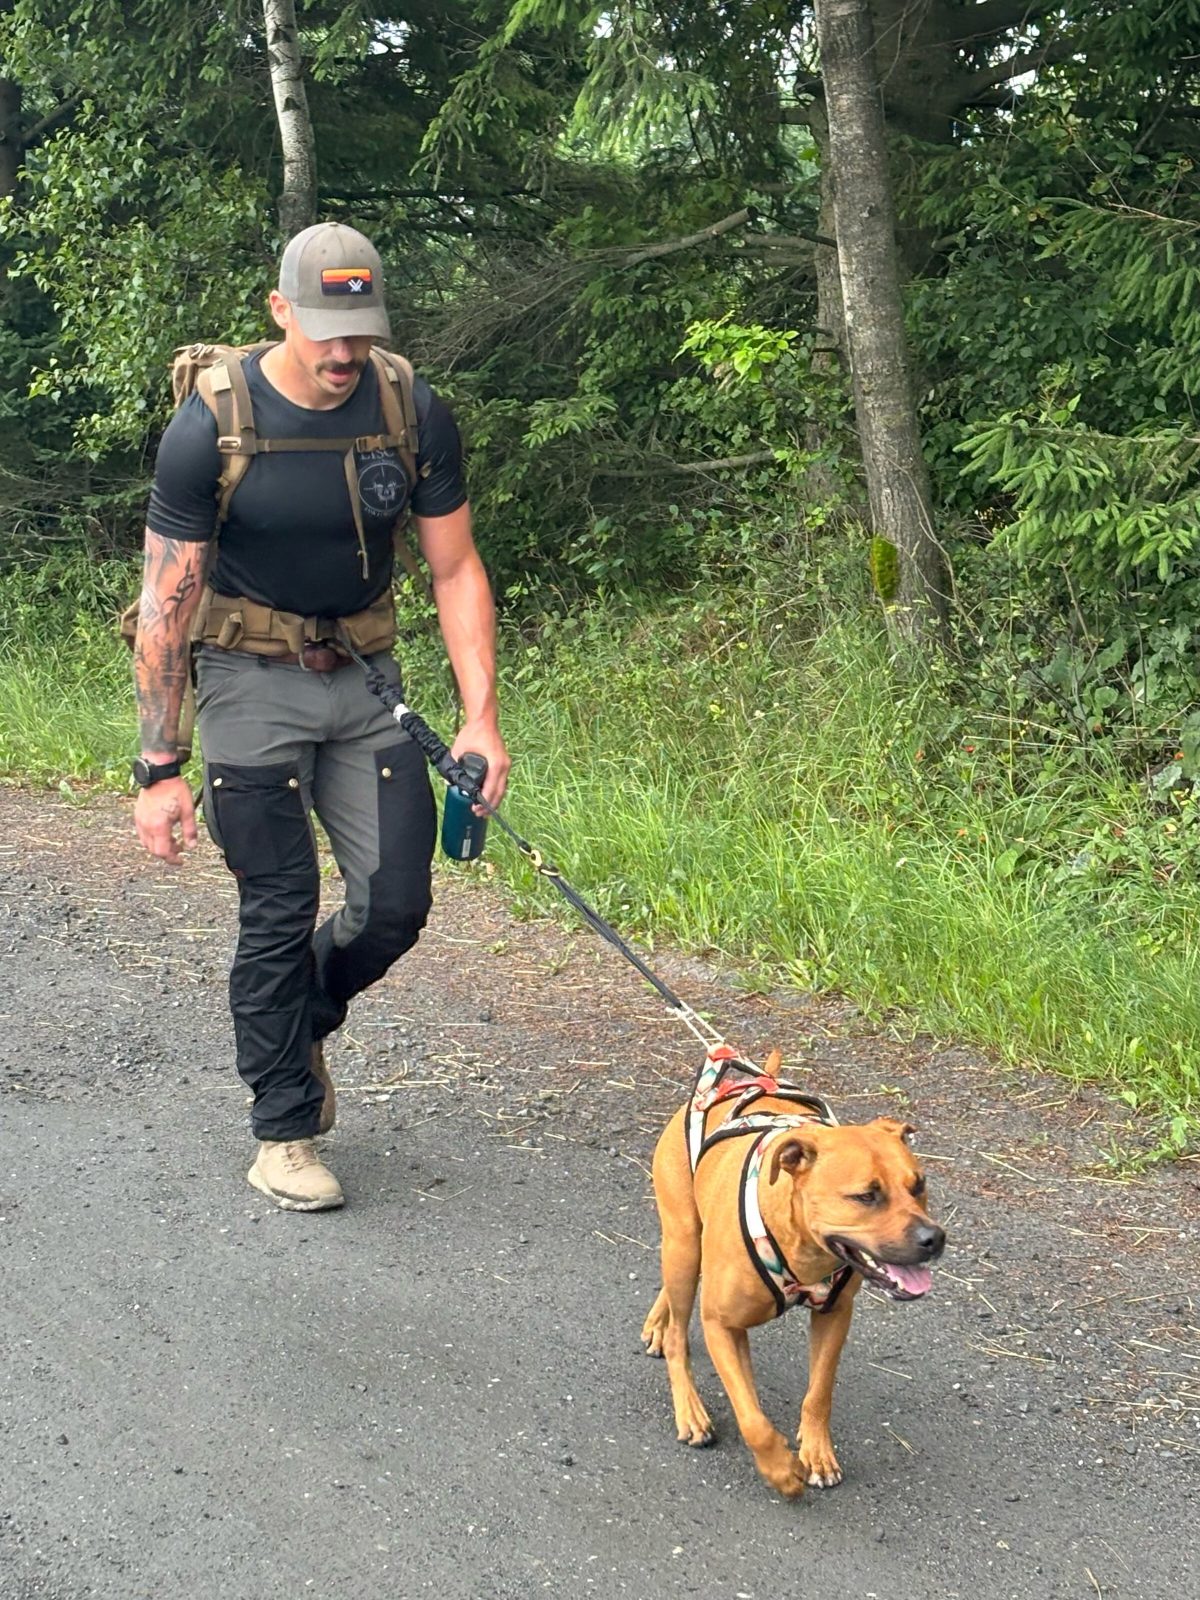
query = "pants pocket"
x=258 y=818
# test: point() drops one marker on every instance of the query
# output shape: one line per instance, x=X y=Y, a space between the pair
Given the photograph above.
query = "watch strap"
x=147 y=772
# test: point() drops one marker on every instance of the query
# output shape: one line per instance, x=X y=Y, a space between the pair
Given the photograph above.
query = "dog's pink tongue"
x=913 y=1280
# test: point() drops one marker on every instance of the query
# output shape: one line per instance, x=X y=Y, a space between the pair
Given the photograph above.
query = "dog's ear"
x=793 y=1156
x=903 y=1130
x=773 y=1062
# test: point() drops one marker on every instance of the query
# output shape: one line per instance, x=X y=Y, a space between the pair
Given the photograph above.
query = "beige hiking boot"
x=321 y=1073
x=292 y=1174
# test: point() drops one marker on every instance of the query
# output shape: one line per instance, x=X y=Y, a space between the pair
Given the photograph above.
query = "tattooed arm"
x=171 y=587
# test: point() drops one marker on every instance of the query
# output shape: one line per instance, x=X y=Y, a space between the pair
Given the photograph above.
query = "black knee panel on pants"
x=399 y=896
x=258 y=818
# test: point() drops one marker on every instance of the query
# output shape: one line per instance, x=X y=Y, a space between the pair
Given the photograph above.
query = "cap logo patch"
x=346 y=280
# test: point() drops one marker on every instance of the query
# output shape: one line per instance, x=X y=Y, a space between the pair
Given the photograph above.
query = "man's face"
x=332 y=366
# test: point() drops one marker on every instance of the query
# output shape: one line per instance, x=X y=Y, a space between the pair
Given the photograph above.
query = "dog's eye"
x=918 y=1188
x=869 y=1197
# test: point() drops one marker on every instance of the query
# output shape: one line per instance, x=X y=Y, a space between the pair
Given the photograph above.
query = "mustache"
x=340 y=366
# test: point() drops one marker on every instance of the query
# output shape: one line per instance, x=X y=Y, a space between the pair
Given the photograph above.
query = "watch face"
x=145 y=773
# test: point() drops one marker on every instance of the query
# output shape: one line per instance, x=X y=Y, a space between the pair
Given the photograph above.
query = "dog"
x=768 y=1203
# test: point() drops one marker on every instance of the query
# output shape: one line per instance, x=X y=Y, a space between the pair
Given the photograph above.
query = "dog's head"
x=859 y=1193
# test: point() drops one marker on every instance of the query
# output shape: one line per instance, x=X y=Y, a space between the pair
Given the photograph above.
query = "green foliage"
x=66 y=689
x=727 y=348
x=127 y=288
x=589 y=461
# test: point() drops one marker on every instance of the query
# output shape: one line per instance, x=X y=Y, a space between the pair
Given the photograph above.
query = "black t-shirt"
x=289 y=540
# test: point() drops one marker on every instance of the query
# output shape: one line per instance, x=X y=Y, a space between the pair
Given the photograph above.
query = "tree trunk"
x=298 y=199
x=831 y=354
x=896 y=474
x=11 y=146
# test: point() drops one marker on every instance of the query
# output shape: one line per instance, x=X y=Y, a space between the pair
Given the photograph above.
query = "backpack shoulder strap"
x=224 y=390
x=395 y=375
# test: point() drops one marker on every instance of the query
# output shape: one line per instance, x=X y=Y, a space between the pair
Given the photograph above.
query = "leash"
x=438 y=755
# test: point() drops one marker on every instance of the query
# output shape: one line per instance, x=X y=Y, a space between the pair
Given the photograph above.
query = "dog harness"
x=725 y=1076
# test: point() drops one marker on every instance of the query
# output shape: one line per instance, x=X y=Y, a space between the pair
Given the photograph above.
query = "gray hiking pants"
x=280 y=742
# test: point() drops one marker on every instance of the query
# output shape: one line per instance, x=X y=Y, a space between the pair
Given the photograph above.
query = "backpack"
x=215 y=372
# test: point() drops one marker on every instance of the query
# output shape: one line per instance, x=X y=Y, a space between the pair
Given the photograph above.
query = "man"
x=289 y=731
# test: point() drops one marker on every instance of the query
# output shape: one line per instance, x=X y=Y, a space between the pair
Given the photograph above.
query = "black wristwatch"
x=147 y=772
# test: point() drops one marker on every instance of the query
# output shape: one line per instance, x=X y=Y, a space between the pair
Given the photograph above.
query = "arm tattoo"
x=171 y=587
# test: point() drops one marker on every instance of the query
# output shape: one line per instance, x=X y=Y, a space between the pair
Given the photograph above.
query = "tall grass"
x=781 y=797
x=66 y=683
x=747 y=775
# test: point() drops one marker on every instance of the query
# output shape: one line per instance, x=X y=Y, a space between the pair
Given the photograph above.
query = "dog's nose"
x=930 y=1240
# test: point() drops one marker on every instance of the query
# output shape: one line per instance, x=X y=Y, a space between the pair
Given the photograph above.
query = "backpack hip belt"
x=234 y=622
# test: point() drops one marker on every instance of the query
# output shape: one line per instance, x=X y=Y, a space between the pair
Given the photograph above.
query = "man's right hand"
x=159 y=810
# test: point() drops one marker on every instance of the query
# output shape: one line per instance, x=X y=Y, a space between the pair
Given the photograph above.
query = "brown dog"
x=778 y=1213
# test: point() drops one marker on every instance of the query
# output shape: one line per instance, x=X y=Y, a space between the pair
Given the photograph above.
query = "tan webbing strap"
x=243 y=406
x=409 y=561
x=350 y=462
x=395 y=376
x=222 y=387
x=268 y=447
x=399 y=408
x=217 y=394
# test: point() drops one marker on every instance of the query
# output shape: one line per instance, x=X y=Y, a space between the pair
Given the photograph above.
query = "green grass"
x=792 y=807
x=66 y=683
x=742 y=775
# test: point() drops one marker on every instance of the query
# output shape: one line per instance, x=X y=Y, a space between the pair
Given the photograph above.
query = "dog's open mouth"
x=898 y=1283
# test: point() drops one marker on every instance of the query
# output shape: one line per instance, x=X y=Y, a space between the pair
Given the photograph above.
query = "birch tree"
x=298 y=197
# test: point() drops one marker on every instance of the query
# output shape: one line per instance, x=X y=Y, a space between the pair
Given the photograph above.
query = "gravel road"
x=440 y=1390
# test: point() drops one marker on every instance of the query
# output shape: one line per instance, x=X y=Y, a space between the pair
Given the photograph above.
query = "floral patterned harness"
x=725 y=1076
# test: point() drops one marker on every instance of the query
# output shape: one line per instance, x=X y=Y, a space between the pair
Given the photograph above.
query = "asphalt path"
x=440 y=1390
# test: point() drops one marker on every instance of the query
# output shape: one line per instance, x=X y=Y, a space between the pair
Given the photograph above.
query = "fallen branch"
x=668 y=247
x=727 y=464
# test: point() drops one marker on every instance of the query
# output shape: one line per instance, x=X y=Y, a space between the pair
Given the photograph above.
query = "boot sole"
x=288 y=1202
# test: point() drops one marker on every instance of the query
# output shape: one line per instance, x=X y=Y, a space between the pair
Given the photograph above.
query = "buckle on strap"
x=319 y=655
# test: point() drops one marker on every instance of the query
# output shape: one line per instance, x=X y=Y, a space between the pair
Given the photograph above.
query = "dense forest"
x=646 y=256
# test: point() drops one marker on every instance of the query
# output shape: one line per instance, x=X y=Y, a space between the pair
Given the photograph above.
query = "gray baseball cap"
x=333 y=277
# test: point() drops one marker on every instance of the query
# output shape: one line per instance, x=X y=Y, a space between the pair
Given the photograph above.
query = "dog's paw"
x=818 y=1463
x=791 y=1482
x=693 y=1425
x=779 y=1465
x=654 y=1329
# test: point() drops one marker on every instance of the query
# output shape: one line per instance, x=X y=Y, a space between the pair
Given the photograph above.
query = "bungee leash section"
x=438 y=755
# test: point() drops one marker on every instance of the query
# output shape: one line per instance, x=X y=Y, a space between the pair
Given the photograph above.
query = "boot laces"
x=299 y=1153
